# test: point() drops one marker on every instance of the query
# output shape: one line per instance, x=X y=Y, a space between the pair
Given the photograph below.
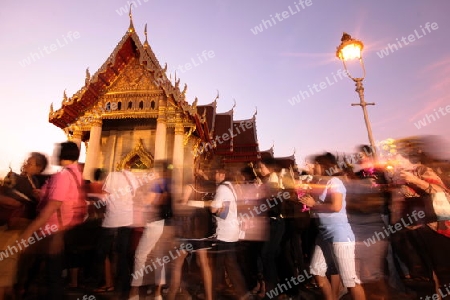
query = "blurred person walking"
x=224 y=206
x=189 y=223
x=19 y=193
x=158 y=200
x=62 y=207
x=429 y=235
x=19 y=196
x=120 y=188
x=334 y=252
x=271 y=247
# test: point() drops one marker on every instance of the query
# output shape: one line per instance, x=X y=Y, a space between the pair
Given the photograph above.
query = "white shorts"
x=342 y=254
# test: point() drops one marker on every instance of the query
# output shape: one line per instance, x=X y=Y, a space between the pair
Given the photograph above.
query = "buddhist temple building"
x=129 y=111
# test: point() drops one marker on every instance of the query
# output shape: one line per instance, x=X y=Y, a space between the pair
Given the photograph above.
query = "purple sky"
x=47 y=45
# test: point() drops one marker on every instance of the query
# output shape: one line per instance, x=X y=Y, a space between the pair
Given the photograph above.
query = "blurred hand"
x=407 y=176
x=307 y=200
x=37 y=193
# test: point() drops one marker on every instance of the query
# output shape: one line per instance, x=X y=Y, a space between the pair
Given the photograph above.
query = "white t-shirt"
x=121 y=188
x=228 y=228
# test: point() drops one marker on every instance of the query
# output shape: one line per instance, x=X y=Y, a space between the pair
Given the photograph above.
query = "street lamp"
x=350 y=49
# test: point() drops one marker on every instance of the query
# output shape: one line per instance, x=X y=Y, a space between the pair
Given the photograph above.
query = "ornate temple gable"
x=138 y=158
x=134 y=78
x=126 y=54
x=132 y=95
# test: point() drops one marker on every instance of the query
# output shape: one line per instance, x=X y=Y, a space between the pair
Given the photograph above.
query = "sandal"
x=104 y=289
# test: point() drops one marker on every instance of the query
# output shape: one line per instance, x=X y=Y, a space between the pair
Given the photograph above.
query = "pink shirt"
x=62 y=187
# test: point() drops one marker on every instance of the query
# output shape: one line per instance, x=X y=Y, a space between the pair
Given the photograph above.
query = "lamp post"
x=350 y=49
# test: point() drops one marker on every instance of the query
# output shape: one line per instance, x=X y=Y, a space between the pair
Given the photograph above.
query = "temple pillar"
x=161 y=132
x=178 y=157
x=93 y=150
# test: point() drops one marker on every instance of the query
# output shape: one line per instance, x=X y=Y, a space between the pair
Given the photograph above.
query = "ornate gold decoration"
x=76 y=133
x=179 y=129
x=195 y=148
x=203 y=118
x=133 y=78
x=187 y=135
x=139 y=157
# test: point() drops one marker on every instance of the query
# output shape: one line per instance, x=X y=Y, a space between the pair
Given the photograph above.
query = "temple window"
x=141 y=105
x=130 y=105
x=152 y=104
x=119 y=105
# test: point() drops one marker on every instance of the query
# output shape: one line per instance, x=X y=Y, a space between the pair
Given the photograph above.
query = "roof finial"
x=256 y=112
x=234 y=105
x=145 y=33
x=217 y=97
x=131 y=28
x=88 y=77
x=194 y=104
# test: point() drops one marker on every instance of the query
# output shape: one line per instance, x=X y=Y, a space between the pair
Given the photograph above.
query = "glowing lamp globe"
x=349 y=48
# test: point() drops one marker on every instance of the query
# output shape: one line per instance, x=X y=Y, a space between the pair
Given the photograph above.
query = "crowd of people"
x=355 y=229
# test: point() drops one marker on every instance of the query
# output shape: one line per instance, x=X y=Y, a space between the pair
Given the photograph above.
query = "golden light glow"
x=350 y=52
x=349 y=48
